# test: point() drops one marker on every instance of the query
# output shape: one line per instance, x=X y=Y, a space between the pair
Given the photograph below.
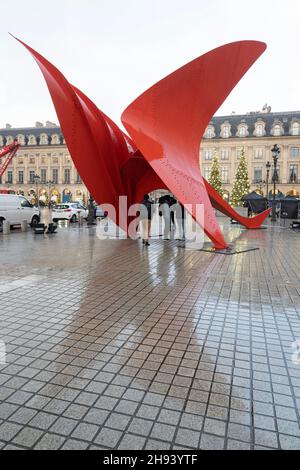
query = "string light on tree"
x=215 y=175
x=241 y=185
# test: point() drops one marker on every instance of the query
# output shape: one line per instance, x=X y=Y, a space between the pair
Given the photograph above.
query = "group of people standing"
x=171 y=211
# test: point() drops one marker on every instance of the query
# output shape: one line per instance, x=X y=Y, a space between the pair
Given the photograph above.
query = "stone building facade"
x=42 y=164
x=256 y=132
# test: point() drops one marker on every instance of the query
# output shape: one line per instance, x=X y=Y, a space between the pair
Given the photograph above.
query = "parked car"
x=16 y=208
x=68 y=211
x=100 y=213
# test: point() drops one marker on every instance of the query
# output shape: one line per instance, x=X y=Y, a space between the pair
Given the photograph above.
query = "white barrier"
x=6 y=227
x=24 y=226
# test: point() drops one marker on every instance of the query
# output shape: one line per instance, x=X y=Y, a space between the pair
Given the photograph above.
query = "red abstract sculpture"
x=166 y=124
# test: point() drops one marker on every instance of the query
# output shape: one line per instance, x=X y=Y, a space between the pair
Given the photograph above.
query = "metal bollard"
x=24 y=226
x=6 y=227
x=80 y=220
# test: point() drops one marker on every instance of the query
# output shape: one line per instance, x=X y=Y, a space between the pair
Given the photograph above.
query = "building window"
x=9 y=177
x=43 y=175
x=21 y=177
x=55 y=139
x=55 y=175
x=277 y=130
x=31 y=176
x=259 y=130
x=295 y=128
x=225 y=132
x=67 y=174
x=32 y=140
x=224 y=154
x=208 y=154
x=224 y=174
x=294 y=152
x=293 y=173
x=209 y=133
x=242 y=132
x=207 y=172
x=31 y=160
x=78 y=179
x=44 y=139
x=258 y=153
x=257 y=175
x=21 y=139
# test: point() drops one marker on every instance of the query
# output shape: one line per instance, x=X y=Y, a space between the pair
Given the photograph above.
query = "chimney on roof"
x=50 y=124
x=39 y=124
x=8 y=126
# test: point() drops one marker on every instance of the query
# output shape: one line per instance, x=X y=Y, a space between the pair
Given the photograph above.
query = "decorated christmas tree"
x=241 y=185
x=215 y=175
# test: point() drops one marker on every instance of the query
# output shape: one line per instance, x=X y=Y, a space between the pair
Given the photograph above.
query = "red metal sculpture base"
x=166 y=124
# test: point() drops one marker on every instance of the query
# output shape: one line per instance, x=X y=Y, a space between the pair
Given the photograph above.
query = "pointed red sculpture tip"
x=165 y=123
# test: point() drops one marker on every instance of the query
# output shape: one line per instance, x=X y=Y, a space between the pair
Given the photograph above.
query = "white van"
x=16 y=208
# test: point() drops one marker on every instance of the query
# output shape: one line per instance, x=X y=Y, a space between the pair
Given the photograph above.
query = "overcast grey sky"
x=115 y=49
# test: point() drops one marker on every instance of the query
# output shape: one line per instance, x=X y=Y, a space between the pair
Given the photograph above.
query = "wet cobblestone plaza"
x=112 y=345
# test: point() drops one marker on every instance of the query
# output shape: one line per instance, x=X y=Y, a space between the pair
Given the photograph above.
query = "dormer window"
x=276 y=130
x=259 y=130
x=55 y=139
x=31 y=140
x=295 y=128
x=21 y=139
x=9 y=139
x=44 y=139
x=225 y=130
x=210 y=132
x=242 y=130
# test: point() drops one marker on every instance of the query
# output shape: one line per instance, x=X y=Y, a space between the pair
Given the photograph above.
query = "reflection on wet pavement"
x=113 y=345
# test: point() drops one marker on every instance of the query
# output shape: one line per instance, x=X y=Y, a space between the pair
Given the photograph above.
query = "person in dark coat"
x=145 y=217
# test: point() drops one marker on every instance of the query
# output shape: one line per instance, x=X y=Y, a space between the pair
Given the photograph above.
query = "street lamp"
x=275 y=155
x=36 y=179
x=268 y=166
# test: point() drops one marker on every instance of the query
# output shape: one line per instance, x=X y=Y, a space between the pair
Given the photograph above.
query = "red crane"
x=10 y=150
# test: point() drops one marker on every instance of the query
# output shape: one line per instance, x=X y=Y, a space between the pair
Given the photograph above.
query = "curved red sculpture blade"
x=166 y=124
x=167 y=121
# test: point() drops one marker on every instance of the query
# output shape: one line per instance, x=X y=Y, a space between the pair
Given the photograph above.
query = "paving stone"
x=209 y=442
x=187 y=437
x=131 y=442
x=73 y=444
x=163 y=432
x=266 y=438
x=108 y=437
x=289 y=442
x=8 y=431
x=27 y=437
x=43 y=420
x=117 y=421
x=63 y=426
x=85 y=431
x=140 y=426
x=50 y=442
x=23 y=415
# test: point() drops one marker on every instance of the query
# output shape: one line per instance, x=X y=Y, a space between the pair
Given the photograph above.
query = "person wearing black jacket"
x=145 y=217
